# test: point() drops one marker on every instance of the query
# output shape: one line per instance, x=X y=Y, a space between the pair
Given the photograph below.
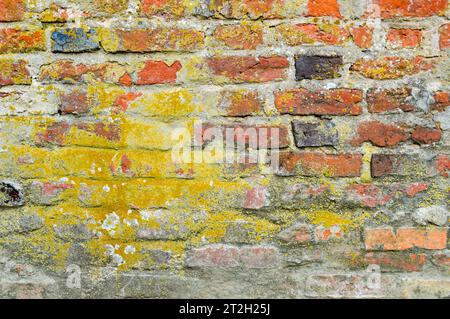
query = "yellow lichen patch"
x=217 y=224
x=110 y=40
x=174 y=103
x=344 y=220
x=101 y=97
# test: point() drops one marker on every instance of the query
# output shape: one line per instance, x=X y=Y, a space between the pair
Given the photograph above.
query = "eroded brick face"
x=224 y=149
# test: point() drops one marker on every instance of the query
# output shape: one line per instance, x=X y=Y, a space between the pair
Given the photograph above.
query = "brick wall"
x=92 y=203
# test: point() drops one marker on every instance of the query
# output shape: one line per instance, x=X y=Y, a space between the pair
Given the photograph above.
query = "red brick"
x=240 y=103
x=256 y=198
x=74 y=102
x=404 y=38
x=21 y=41
x=397 y=262
x=323 y=102
x=249 y=69
x=443 y=165
x=444 y=33
x=368 y=195
x=406 y=238
x=68 y=72
x=389 y=100
x=363 y=36
x=379 y=134
x=441 y=101
x=12 y=10
x=240 y=37
x=55 y=133
x=319 y=8
x=391 y=67
x=424 y=135
x=320 y=164
x=411 y=8
x=123 y=101
x=14 y=72
x=416 y=188
x=158 y=72
x=312 y=33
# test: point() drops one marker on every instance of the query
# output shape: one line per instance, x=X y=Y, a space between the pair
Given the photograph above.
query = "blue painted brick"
x=74 y=40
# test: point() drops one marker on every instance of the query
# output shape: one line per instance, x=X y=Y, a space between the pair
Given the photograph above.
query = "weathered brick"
x=12 y=10
x=54 y=14
x=316 y=67
x=408 y=8
x=441 y=101
x=396 y=261
x=380 y=134
x=233 y=256
x=321 y=102
x=249 y=69
x=14 y=72
x=151 y=40
x=363 y=36
x=315 y=134
x=444 y=34
x=425 y=135
x=257 y=198
x=300 y=233
x=441 y=259
x=73 y=102
x=319 y=8
x=242 y=9
x=242 y=134
x=106 y=7
x=404 y=38
x=11 y=194
x=66 y=71
x=47 y=193
x=163 y=224
x=442 y=164
x=240 y=37
x=158 y=72
x=380 y=101
x=391 y=67
x=374 y=195
x=14 y=40
x=240 y=103
x=312 y=33
x=341 y=286
x=172 y=8
x=402 y=165
x=319 y=164
x=74 y=40
x=405 y=238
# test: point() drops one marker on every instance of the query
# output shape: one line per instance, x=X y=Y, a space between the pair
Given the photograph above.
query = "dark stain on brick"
x=316 y=67
x=382 y=164
x=11 y=195
x=315 y=134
